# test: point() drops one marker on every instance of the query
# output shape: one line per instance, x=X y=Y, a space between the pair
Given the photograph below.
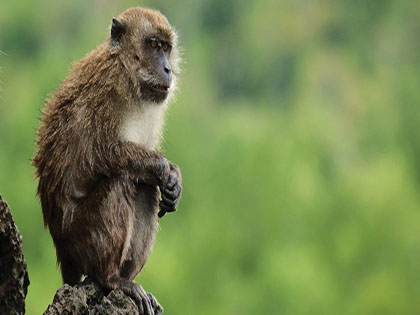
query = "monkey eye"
x=165 y=46
x=153 y=43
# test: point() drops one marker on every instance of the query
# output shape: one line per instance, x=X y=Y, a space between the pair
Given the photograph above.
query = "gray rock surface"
x=89 y=298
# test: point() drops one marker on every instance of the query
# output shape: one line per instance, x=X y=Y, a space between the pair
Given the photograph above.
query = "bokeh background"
x=297 y=128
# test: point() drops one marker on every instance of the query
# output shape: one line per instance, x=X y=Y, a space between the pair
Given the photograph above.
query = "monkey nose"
x=167 y=68
x=167 y=73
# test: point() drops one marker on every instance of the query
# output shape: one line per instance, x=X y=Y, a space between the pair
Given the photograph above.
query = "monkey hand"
x=171 y=192
x=162 y=171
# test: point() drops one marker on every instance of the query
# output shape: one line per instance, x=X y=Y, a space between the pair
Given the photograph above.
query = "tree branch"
x=14 y=278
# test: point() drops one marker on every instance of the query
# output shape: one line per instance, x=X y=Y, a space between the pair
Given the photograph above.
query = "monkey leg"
x=130 y=216
x=171 y=192
x=93 y=242
x=145 y=223
x=70 y=273
x=111 y=236
x=142 y=239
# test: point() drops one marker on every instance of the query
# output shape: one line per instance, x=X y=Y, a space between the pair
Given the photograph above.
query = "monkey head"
x=147 y=46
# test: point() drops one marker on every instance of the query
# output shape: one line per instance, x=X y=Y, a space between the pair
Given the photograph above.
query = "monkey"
x=103 y=183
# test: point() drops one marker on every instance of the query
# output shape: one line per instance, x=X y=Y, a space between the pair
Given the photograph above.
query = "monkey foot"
x=157 y=308
x=143 y=301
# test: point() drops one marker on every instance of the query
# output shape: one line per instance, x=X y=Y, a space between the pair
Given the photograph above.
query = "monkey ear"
x=117 y=31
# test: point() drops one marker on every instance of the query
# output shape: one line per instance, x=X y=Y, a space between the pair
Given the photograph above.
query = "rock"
x=89 y=298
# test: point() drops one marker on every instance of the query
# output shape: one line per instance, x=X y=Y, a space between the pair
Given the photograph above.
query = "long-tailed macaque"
x=102 y=183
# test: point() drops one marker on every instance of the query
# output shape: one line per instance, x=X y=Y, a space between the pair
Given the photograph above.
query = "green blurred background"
x=297 y=129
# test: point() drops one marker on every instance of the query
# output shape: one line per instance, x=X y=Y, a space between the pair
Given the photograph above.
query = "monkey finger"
x=169 y=193
x=168 y=198
x=173 y=179
x=169 y=201
x=176 y=189
x=143 y=300
x=167 y=208
x=164 y=171
x=175 y=169
x=173 y=193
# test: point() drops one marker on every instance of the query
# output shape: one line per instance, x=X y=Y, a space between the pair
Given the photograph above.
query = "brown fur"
x=99 y=193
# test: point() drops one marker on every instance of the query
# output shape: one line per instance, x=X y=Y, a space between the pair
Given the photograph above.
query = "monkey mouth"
x=154 y=92
x=160 y=88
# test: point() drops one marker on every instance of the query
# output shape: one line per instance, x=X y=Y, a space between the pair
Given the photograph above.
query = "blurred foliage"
x=297 y=131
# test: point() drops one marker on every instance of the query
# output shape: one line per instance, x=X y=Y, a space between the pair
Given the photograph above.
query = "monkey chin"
x=157 y=93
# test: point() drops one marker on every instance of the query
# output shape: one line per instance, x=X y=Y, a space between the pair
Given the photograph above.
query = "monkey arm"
x=124 y=157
